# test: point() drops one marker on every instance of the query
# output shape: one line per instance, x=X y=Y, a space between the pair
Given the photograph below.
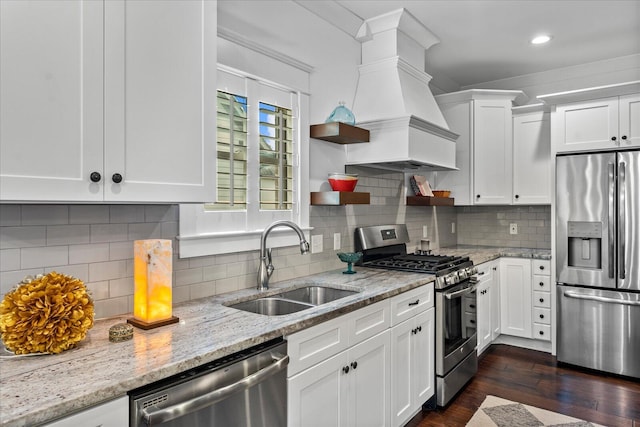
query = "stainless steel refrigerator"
x=598 y=260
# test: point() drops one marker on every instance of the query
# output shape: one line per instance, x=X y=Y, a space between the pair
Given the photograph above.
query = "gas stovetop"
x=424 y=263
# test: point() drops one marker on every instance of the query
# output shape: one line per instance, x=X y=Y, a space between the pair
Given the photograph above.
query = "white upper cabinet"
x=602 y=118
x=484 y=149
x=108 y=101
x=531 y=157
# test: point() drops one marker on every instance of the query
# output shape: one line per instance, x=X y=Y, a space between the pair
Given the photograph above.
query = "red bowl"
x=343 y=182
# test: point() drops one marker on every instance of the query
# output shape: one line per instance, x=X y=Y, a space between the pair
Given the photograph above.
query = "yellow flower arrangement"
x=48 y=314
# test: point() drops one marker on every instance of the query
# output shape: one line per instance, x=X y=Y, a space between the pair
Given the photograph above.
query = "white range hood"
x=393 y=100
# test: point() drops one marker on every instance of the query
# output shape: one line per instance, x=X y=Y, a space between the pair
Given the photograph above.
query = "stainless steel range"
x=385 y=247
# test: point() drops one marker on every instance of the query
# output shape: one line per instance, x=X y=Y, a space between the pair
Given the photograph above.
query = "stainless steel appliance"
x=598 y=260
x=246 y=389
x=455 y=300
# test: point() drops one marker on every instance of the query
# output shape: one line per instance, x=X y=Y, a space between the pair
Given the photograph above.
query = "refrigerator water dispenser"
x=585 y=244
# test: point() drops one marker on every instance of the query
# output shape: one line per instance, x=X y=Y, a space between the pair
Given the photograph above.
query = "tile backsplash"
x=95 y=242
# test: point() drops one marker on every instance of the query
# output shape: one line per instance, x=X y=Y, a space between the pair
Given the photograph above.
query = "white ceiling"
x=486 y=40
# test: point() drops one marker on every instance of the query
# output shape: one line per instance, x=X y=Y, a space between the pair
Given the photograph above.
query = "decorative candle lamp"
x=152 y=271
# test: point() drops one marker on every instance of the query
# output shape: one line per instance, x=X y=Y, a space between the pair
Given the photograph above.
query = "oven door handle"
x=461 y=292
x=151 y=417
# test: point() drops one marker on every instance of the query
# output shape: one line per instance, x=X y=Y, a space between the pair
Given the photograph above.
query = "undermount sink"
x=316 y=295
x=292 y=301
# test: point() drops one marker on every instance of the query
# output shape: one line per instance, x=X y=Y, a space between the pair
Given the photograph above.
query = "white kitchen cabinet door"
x=484 y=325
x=114 y=413
x=318 y=396
x=495 y=300
x=588 y=125
x=531 y=159
x=492 y=152
x=515 y=297
x=369 y=378
x=412 y=366
x=51 y=108
x=629 y=121
x=160 y=100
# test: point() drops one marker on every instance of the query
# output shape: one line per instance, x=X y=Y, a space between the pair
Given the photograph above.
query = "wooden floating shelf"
x=429 y=201
x=337 y=198
x=339 y=133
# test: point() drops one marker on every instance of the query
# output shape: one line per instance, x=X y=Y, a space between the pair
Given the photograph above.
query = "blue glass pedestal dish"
x=349 y=258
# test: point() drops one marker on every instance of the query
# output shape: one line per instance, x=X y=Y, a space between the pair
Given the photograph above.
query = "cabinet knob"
x=542 y=267
x=624 y=137
x=117 y=178
x=419 y=328
x=541 y=284
x=541 y=333
x=354 y=365
x=541 y=299
x=542 y=316
x=95 y=177
x=345 y=369
x=477 y=196
x=613 y=138
x=472 y=321
x=517 y=196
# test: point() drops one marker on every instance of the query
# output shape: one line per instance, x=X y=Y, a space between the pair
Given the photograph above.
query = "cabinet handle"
x=541 y=333
x=95 y=177
x=541 y=299
x=542 y=284
x=542 y=267
x=472 y=306
x=413 y=332
x=117 y=178
x=345 y=369
x=354 y=365
x=477 y=196
x=419 y=328
x=517 y=196
x=495 y=268
x=613 y=138
x=416 y=302
x=472 y=321
x=542 y=316
x=624 y=137
x=481 y=273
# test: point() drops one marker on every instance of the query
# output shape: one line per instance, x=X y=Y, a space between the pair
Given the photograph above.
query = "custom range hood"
x=393 y=100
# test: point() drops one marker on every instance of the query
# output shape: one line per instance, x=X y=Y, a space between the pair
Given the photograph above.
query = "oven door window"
x=459 y=320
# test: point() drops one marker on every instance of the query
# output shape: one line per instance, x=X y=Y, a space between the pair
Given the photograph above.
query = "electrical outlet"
x=425 y=231
x=513 y=228
x=453 y=228
x=336 y=241
x=316 y=244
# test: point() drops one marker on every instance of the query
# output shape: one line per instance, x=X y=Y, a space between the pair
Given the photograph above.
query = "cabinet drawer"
x=541 y=283
x=541 y=267
x=470 y=304
x=368 y=321
x=541 y=299
x=311 y=346
x=541 y=332
x=542 y=315
x=410 y=303
x=485 y=271
x=470 y=320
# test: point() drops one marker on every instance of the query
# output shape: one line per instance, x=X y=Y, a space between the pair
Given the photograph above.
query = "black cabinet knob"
x=95 y=177
x=624 y=137
x=541 y=333
x=517 y=196
x=117 y=178
x=613 y=138
x=542 y=267
x=419 y=328
x=414 y=331
x=354 y=365
x=477 y=196
x=542 y=316
x=345 y=369
x=472 y=321
x=542 y=284
x=541 y=299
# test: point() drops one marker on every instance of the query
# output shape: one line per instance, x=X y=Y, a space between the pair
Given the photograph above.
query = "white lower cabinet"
x=515 y=297
x=413 y=366
x=366 y=368
x=114 y=413
x=488 y=304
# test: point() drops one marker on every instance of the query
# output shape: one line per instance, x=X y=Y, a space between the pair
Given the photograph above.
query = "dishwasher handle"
x=598 y=298
x=155 y=417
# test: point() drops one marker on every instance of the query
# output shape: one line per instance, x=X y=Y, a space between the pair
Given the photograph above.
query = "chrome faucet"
x=265 y=270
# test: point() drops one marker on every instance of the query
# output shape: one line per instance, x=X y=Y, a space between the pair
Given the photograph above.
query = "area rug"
x=495 y=411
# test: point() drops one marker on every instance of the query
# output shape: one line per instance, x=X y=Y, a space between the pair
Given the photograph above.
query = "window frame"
x=203 y=232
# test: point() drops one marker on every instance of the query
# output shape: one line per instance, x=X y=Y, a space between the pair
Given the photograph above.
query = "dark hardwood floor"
x=534 y=378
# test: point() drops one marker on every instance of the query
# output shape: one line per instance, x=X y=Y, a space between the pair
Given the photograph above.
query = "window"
x=258 y=167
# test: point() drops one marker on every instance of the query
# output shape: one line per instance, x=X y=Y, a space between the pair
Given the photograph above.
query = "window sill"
x=238 y=241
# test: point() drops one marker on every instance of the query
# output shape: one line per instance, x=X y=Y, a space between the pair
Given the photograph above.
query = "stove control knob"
x=451 y=279
x=463 y=274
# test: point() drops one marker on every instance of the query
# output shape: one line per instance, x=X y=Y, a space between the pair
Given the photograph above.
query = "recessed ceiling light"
x=540 y=39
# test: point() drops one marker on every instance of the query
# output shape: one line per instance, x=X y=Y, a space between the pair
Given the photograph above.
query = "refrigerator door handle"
x=622 y=213
x=611 y=219
x=576 y=295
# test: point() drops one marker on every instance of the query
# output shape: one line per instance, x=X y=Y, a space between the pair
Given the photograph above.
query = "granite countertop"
x=36 y=389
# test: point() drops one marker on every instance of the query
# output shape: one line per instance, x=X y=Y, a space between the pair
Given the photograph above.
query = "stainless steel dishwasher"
x=248 y=388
